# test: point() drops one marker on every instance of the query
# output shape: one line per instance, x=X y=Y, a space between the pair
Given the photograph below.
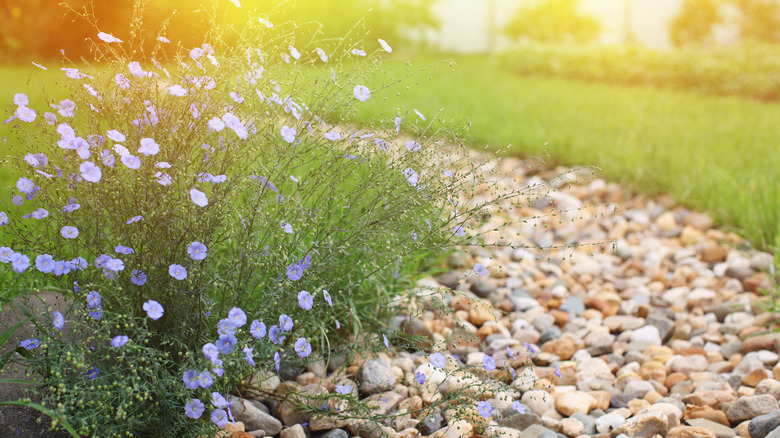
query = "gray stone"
x=254 y=418
x=376 y=375
x=587 y=421
x=536 y=431
x=334 y=433
x=621 y=400
x=449 y=279
x=573 y=304
x=482 y=288
x=431 y=423
x=763 y=424
x=549 y=334
x=730 y=349
x=749 y=407
x=520 y=421
x=664 y=326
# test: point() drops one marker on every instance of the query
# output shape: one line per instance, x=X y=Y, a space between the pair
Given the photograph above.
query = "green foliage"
x=553 y=21
x=694 y=23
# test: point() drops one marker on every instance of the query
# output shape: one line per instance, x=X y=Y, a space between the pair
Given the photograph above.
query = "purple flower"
x=305 y=300
x=119 y=341
x=134 y=219
x=509 y=352
x=326 y=295
x=285 y=323
x=277 y=361
x=97 y=313
x=148 y=147
x=177 y=271
x=5 y=254
x=70 y=208
x=39 y=213
x=480 y=269
x=199 y=198
x=224 y=327
x=420 y=377
x=219 y=417
x=302 y=347
x=332 y=135
x=197 y=251
x=124 y=250
x=485 y=409
x=25 y=185
x=93 y=373
x=210 y=351
x=294 y=272
x=58 y=320
x=44 y=263
x=225 y=343
x=194 y=408
x=557 y=370
x=488 y=363
x=305 y=263
x=411 y=176
x=257 y=329
x=205 y=380
x=387 y=343
x=275 y=334
x=190 y=379
x=438 y=360
x=19 y=262
x=413 y=146
x=459 y=231
x=153 y=309
x=219 y=401
x=17 y=200
x=362 y=93
x=419 y=114
x=138 y=278
x=344 y=389
x=90 y=172
x=115 y=265
x=519 y=407
x=29 y=344
x=248 y=356
x=529 y=347
x=236 y=317
x=288 y=134
x=94 y=299
x=3 y=218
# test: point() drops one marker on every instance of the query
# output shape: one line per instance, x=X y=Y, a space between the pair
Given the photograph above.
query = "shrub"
x=211 y=214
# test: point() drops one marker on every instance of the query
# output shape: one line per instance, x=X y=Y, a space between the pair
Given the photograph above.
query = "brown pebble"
x=561 y=317
x=690 y=432
x=756 y=343
x=652 y=397
x=673 y=379
x=653 y=370
x=706 y=412
x=753 y=283
x=754 y=377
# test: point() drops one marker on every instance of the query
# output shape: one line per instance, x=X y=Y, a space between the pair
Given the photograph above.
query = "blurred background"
x=666 y=96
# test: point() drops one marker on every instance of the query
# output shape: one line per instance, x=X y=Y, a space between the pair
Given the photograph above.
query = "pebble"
x=651 y=334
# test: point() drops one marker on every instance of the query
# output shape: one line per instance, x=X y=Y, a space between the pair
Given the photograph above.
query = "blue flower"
x=153 y=309
x=210 y=351
x=134 y=219
x=124 y=249
x=44 y=263
x=236 y=317
x=519 y=407
x=305 y=263
x=19 y=262
x=225 y=343
x=219 y=417
x=29 y=344
x=219 y=401
x=257 y=329
x=248 y=355
x=3 y=218
x=190 y=379
x=529 y=347
x=97 y=313
x=287 y=228
x=100 y=261
x=305 y=300
x=488 y=363
x=224 y=327
x=509 y=352
x=197 y=251
x=344 y=389
x=194 y=408
x=420 y=377
x=177 y=271
x=326 y=295
x=277 y=361
x=302 y=347
x=93 y=373
x=205 y=380
x=387 y=343
x=58 y=320
x=138 y=278
x=294 y=272
x=557 y=370
x=480 y=269
x=119 y=341
x=485 y=409
x=69 y=232
x=115 y=265
x=285 y=323
x=438 y=360
x=94 y=299
x=275 y=334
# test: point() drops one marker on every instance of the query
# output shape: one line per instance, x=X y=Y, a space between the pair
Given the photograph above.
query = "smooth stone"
x=749 y=407
x=609 y=422
x=645 y=425
x=254 y=418
x=690 y=432
x=720 y=430
x=482 y=288
x=550 y=334
x=621 y=400
x=536 y=431
x=568 y=403
x=588 y=423
x=334 y=433
x=762 y=425
x=376 y=375
x=431 y=423
x=520 y=421
x=295 y=431
x=638 y=388
x=573 y=304
x=648 y=333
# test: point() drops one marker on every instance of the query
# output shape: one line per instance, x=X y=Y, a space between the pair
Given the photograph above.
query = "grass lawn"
x=718 y=154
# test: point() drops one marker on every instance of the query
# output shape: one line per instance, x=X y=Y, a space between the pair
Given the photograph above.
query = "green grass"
x=718 y=154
